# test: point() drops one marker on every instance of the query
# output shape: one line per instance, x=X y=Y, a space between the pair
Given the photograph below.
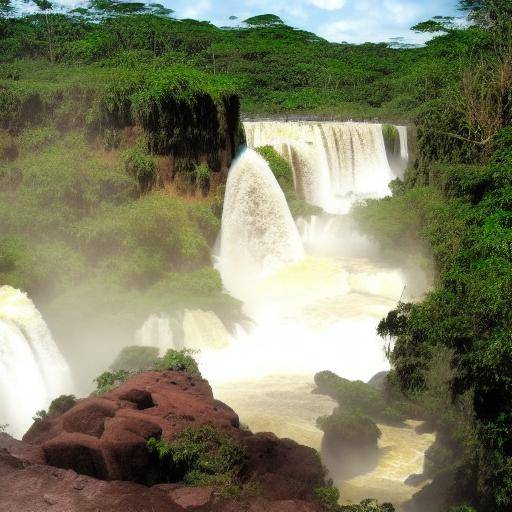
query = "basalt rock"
x=94 y=456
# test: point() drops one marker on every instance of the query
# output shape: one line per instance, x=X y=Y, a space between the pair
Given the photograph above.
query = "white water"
x=32 y=369
x=404 y=142
x=157 y=332
x=314 y=289
x=258 y=234
x=334 y=164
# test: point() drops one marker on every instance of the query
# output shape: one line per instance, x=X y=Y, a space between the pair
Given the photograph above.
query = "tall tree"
x=44 y=6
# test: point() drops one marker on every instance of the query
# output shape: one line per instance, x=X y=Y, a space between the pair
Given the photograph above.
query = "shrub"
x=199 y=456
x=357 y=396
x=200 y=177
x=110 y=380
x=350 y=427
x=140 y=165
x=391 y=139
x=133 y=359
x=8 y=149
x=61 y=405
x=327 y=498
x=112 y=139
x=178 y=361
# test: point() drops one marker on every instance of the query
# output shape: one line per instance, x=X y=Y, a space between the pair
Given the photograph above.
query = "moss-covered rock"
x=284 y=174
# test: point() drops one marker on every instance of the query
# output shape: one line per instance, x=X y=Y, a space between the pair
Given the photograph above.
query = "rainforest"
x=244 y=268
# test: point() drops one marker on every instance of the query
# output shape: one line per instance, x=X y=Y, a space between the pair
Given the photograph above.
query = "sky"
x=354 y=21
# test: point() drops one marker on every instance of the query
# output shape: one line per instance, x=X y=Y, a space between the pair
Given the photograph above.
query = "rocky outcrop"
x=95 y=457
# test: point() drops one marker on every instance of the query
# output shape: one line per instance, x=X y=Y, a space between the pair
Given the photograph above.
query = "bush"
x=108 y=381
x=327 y=498
x=112 y=140
x=391 y=139
x=61 y=405
x=135 y=359
x=357 y=396
x=199 y=456
x=178 y=361
x=350 y=427
x=141 y=166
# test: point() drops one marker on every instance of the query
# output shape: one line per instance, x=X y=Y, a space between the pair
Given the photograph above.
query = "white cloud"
x=368 y=30
x=328 y=5
x=197 y=11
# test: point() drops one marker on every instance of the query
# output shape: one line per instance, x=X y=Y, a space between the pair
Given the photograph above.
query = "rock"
x=192 y=497
x=94 y=456
x=415 y=480
x=378 y=381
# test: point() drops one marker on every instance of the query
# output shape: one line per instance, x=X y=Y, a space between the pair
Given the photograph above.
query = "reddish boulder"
x=94 y=456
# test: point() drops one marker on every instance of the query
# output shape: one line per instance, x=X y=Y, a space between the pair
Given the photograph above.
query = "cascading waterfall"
x=258 y=232
x=32 y=370
x=204 y=329
x=340 y=162
x=157 y=332
x=404 y=143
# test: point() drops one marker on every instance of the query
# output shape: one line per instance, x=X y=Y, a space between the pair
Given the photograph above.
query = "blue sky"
x=355 y=21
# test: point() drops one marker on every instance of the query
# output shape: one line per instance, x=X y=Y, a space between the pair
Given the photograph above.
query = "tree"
x=264 y=20
x=44 y=6
x=6 y=8
x=436 y=24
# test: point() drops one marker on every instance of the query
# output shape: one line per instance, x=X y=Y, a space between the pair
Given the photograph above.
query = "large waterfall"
x=32 y=369
x=258 y=231
x=334 y=164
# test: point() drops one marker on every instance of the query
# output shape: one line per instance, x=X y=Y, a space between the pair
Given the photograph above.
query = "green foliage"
x=327 y=497
x=350 y=427
x=450 y=350
x=199 y=456
x=264 y=20
x=284 y=175
x=40 y=415
x=178 y=361
x=135 y=359
x=60 y=405
x=391 y=139
x=108 y=381
x=356 y=396
x=141 y=166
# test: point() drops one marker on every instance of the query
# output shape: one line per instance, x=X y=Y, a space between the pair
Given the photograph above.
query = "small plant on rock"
x=178 y=361
x=109 y=380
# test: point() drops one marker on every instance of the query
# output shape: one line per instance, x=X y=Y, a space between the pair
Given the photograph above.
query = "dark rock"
x=415 y=480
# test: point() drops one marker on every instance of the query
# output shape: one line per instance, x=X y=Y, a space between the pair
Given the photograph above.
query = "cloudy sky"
x=354 y=21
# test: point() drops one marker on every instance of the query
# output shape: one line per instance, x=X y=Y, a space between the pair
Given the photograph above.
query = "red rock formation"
x=94 y=456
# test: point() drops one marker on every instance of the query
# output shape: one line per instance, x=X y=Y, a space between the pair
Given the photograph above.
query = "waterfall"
x=334 y=164
x=157 y=332
x=404 y=143
x=258 y=232
x=204 y=329
x=32 y=370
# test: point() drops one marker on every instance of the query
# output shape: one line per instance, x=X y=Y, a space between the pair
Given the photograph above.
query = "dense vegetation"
x=92 y=103
x=199 y=456
x=451 y=352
